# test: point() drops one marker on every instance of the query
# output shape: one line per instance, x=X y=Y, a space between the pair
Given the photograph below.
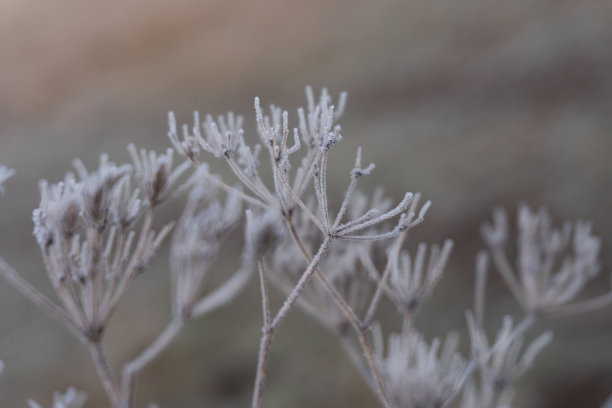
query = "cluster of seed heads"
x=336 y=261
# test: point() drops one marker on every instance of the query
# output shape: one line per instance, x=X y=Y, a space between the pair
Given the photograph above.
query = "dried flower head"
x=553 y=264
x=97 y=189
x=196 y=242
x=420 y=375
x=503 y=362
x=155 y=174
x=410 y=283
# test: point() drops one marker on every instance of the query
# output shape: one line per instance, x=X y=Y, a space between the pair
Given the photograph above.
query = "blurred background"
x=474 y=103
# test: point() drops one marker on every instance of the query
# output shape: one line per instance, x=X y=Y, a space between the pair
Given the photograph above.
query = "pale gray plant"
x=336 y=262
x=418 y=374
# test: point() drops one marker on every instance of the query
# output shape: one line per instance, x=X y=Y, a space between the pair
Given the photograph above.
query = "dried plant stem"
x=266 y=339
x=259 y=189
x=407 y=322
x=380 y=287
x=38 y=298
x=518 y=331
x=299 y=201
x=356 y=359
x=480 y=287
x=507 y=274
x=130 y=271
x=359 y=327
x=224 y=293
x=281 y=315
x=229 y=189
x=366 y=344
x=299 y=287
x=134 y=367
x=583 y=306
x=104 y=372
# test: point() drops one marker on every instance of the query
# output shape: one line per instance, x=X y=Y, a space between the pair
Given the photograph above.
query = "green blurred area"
x=473 y=103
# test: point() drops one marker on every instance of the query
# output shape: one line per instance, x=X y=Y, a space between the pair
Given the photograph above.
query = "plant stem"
x=104 y=372
x=133 y=368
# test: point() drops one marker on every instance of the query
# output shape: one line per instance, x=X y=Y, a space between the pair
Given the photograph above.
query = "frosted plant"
x=418 y=374
x=409 y=283
x=501 y=363
x=553 y=264
x=338 y=262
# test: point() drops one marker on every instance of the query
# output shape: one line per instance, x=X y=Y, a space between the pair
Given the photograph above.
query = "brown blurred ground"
x=472 y=103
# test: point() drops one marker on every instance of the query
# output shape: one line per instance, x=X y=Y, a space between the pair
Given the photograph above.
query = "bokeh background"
x=472 y=102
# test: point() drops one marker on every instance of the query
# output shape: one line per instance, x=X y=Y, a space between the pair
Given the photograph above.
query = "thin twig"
x=134 y=367
x=39 y=299
x=104 y=372
x=266 y=340
x=518 y=331
x=382 y=282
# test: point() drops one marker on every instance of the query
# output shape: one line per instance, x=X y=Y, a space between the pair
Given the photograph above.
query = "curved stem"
x=39 y=299
x=104 y=372
x=134 y=367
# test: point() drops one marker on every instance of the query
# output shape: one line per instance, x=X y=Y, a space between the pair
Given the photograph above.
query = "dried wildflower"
x=155 y=173
x=409 y=284
x=474 y=398
x=5 y=174
x=96 y=190
x=70 y=399
x=417 y=374
x=87 y=230
x=196 y=243
x=126 y=205
x=59 y=211
x=503 y=362
x=188 y=147
x=550 y=271
x=318 y=126
x=222 y=136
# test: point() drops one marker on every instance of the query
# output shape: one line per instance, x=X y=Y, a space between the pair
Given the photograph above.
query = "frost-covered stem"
x=507 y=274
x=356 y=359
x=266 y=339
x=582 y=307
x=299 y=287
x=224 y=293
x=302 y=182
x=299 y=201
x=280 y=316
x=348 y=311
x=480 y=287
x=323 y=189
x=407 y=322
x=95 y=273
x=260 y=191
x=128 y=274
x=134 y=367
x=359 y=327
x=38 y=298
x=366 y=344
x=518 y=331
x=382 y=282
x=104 y=372
x=229 y=189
